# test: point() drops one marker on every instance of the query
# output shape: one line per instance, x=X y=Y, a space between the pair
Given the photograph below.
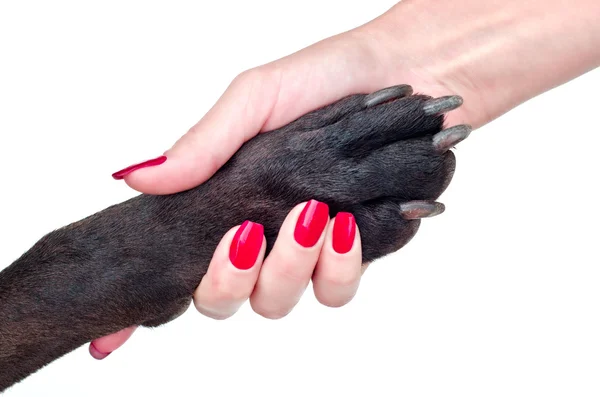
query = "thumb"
x=259 y=99
x=237 y=116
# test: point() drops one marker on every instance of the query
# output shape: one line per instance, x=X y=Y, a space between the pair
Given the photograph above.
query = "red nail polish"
x=246 y=245
x=311 y=223
x=344 y=231
x=149 y=163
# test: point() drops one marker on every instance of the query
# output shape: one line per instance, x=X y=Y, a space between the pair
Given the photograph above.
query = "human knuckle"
x=295 y=272
x=342 y=279
x=222 y=290
x=250 y=75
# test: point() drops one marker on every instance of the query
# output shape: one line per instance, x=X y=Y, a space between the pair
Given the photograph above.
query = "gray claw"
x=447 y=139
x=386 y=94
x=442 y=105
x=421 y=209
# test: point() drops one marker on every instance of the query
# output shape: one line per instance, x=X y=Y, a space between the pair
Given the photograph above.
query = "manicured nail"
x=246 y=245
x=344 y=231
x=97 y=354
x=311 y=223
x=149 y=163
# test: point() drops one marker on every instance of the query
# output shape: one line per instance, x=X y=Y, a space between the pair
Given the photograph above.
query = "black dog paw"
x=384 y=157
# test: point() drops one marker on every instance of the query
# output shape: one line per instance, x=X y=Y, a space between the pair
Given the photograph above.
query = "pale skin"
x=495 y=54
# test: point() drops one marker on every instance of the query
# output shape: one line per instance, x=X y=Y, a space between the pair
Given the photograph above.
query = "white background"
x=498 y=296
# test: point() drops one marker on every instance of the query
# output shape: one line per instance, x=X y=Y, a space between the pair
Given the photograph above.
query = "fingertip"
x=245 y=247
x=343 y=233
x=144 y=164
x=306 y=224
x=169 y=175
x=102 y=347
x=97 y=354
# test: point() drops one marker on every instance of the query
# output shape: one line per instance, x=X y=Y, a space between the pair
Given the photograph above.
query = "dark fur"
x=139 y=262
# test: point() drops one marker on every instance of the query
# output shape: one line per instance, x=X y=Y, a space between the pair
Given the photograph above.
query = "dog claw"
x=386 y=94
x=442 y=105
x=421 y=209
x=446 y=139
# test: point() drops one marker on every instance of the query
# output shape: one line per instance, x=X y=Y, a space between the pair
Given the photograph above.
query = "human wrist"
x=494 y=55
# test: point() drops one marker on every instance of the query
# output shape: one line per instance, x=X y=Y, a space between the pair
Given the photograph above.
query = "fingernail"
x=97 y=354
x=344 y=231
x=149 y=163
x=311 y=223
x=246 y=245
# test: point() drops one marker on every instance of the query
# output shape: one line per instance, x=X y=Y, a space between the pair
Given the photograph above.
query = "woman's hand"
x=495 y=56
x=259 y=100
x=310 y=246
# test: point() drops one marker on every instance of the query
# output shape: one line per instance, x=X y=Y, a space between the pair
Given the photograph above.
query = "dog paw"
x=384 y=157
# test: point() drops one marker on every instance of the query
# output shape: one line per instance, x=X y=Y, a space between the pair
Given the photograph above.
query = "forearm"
x=496 y=54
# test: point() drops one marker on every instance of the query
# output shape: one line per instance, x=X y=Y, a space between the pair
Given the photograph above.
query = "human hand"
x=439 y=53
x=265 y=98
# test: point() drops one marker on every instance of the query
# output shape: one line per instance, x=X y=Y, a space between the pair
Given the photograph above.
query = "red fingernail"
x=149 y=163
x=344 y=230
x=97 y=354
x=311 y=223
x=246 y=245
